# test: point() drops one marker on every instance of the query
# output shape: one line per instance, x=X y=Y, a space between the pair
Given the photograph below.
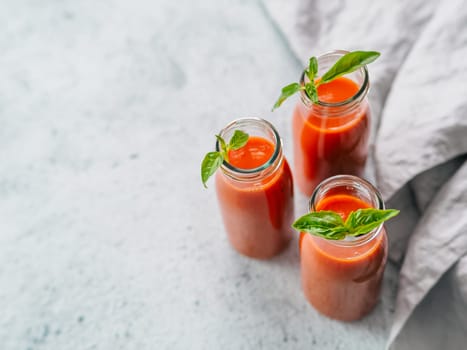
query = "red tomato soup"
x=342 y=279
x=331 y=137
x=255 y=194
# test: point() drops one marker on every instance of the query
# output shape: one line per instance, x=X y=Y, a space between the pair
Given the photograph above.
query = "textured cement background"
x=107 y=238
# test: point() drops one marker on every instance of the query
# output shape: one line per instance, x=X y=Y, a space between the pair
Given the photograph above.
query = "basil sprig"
x=330 y=225
x=348 y=63
x=213 y=160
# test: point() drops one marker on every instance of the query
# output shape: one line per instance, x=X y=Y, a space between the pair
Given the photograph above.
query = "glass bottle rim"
x=358 y=96
x=357 y=183
x=236 y=124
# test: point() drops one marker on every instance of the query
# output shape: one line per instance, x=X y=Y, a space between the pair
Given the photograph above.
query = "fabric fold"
x=437 y=243
x=418 y=98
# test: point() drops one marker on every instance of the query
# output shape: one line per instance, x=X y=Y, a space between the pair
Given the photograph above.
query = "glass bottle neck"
x=329 y=109
x=351 y=186
x=259 y=128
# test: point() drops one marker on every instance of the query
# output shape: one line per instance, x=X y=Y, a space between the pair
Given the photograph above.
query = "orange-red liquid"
x=342 y=282
x=255 y=153
x=325 y=145
x=257 y=217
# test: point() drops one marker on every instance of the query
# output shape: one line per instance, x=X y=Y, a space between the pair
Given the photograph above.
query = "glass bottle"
x=342 y=279
x=256 y=203
x=330 y=137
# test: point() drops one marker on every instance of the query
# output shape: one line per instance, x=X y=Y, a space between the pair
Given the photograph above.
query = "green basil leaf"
x=286 y=92
x=222 y=144
x=312 y=92
x=349 y=63
x=327 y=224
x=238 y=140
x=211 y=162
x=363 y=221
x=312 y=68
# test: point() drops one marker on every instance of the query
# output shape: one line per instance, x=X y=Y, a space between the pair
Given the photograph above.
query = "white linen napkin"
x=419 y=106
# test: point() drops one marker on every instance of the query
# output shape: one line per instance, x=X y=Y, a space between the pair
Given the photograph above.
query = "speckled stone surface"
x=107 y=238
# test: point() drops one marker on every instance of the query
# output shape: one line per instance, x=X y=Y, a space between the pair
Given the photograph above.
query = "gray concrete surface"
x=107 y=238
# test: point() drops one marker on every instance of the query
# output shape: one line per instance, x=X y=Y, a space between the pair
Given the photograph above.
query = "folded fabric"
x=419 y=106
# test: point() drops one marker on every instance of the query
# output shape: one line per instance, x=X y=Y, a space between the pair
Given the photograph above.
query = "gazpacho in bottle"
x=331 y=121
x=343 y=259
x=254 y=188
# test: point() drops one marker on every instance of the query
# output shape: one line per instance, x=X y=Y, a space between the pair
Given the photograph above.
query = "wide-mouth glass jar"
x=342 y=278
x=330 y=137
x=256 y=201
